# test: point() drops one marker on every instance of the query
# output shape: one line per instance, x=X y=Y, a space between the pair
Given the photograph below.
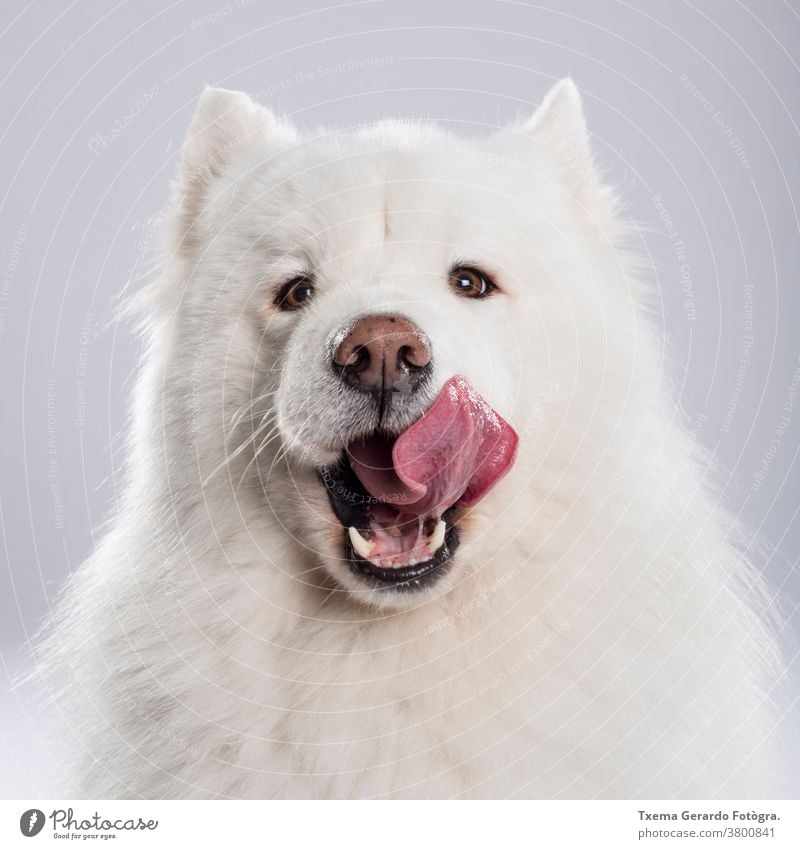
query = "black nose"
x=383 y=354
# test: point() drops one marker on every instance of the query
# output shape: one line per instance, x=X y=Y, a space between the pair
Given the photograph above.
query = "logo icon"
x=31 y=822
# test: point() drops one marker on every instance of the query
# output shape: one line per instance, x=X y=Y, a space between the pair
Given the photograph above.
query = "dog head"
x=370 y=319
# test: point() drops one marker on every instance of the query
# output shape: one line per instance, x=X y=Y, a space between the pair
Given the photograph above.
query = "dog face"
x=380 y=312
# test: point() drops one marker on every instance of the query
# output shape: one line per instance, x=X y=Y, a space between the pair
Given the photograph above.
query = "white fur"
x=599 y=634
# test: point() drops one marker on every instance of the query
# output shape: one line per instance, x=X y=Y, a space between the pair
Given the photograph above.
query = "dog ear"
x=559 y=125
x=225 y=123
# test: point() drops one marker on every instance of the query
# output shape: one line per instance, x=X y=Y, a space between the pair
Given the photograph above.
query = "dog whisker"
x=251 y=439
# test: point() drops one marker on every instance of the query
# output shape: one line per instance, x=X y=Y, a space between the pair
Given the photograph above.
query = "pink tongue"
x=458 y=450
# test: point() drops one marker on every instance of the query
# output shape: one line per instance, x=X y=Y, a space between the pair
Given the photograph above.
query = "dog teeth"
x=436 y=539
x=364 y=548
x=361 y=546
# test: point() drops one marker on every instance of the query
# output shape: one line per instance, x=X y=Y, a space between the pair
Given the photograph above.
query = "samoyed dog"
x=409 y=511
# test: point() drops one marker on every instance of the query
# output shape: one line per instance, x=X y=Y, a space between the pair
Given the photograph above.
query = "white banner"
x=403 y=825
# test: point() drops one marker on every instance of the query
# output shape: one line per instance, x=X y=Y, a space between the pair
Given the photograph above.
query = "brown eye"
x=471 y=283
x=295 y=294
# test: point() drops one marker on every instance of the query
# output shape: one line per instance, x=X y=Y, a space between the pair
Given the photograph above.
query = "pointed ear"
x=560 y=126
x=225 y=123
x=559 y=122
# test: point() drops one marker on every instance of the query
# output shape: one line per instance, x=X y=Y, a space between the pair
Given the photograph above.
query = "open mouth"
x=383 y=543
x=399 y=498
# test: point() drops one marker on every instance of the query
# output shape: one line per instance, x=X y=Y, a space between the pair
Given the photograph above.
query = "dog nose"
x=383 y=353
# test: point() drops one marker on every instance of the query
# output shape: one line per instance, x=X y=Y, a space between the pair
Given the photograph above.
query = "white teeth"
x=364 y=548
x=361 y=546
x=436 y=539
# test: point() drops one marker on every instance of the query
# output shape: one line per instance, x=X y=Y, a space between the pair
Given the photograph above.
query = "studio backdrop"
x=693 y=110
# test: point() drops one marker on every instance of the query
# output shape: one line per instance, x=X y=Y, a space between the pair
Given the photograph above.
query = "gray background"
x=694 y=103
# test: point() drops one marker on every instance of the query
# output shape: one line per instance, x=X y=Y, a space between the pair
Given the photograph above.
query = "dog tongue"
x=457 y=451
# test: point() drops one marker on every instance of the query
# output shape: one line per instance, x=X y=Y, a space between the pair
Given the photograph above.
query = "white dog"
x=409 y=511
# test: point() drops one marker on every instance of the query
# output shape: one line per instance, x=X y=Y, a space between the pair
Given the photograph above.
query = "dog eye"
x=295 y=294
x=471 y=283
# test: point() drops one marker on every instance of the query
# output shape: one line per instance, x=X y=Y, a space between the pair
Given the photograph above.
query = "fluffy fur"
x=599 y=634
